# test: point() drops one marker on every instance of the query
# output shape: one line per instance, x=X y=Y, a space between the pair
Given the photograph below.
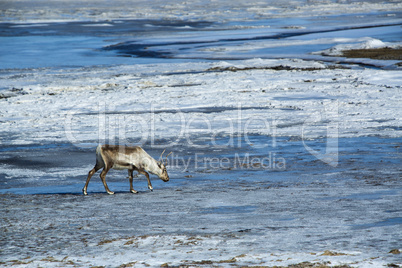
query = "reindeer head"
x=163 y=174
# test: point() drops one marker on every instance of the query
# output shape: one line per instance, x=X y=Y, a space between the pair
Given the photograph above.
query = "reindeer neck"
x=152 y=166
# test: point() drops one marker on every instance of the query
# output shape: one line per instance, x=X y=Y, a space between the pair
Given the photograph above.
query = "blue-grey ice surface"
x=281 y=153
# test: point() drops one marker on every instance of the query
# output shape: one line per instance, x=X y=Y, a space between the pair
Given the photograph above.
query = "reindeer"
x=124 y=157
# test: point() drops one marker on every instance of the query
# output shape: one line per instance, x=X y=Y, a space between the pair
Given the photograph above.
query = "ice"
x=283 y=152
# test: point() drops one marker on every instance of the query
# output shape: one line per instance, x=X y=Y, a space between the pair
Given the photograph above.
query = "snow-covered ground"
x=283 y=150
x=142 y=103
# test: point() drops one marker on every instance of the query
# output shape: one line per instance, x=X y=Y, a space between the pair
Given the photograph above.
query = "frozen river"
x=87 y=40
x=288 y=208
x=283 y=151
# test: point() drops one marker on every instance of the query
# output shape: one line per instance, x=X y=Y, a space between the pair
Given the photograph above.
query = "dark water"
x=111 y=42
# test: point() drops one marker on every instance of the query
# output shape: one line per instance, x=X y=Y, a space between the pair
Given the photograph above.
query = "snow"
x=370 y=43
x=283 y=152
x=140 y=102
x=220 y=10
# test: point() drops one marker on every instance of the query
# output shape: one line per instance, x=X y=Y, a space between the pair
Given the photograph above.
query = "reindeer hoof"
x=150 y=188
x=84 y=192
x=134 y=191
x=110 y=192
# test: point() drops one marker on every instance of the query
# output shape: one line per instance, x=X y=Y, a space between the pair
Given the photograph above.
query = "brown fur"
x=125 y=157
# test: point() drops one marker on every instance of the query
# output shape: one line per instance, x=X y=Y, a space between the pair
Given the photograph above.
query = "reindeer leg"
x=103 y=178
x=146 y=175
x=90 y=174
x=130 y=176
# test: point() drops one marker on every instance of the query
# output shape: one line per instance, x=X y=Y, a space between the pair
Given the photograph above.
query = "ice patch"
x=29 y=25
x=98 y=25
x=259 y=63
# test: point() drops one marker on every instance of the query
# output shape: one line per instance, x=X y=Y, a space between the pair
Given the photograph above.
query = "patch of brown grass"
x=126 y=265
x=385 y=53
x=331 y=253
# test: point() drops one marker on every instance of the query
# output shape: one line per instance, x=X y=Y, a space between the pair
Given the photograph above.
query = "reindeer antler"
x=167 y=158
x=162 y=153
